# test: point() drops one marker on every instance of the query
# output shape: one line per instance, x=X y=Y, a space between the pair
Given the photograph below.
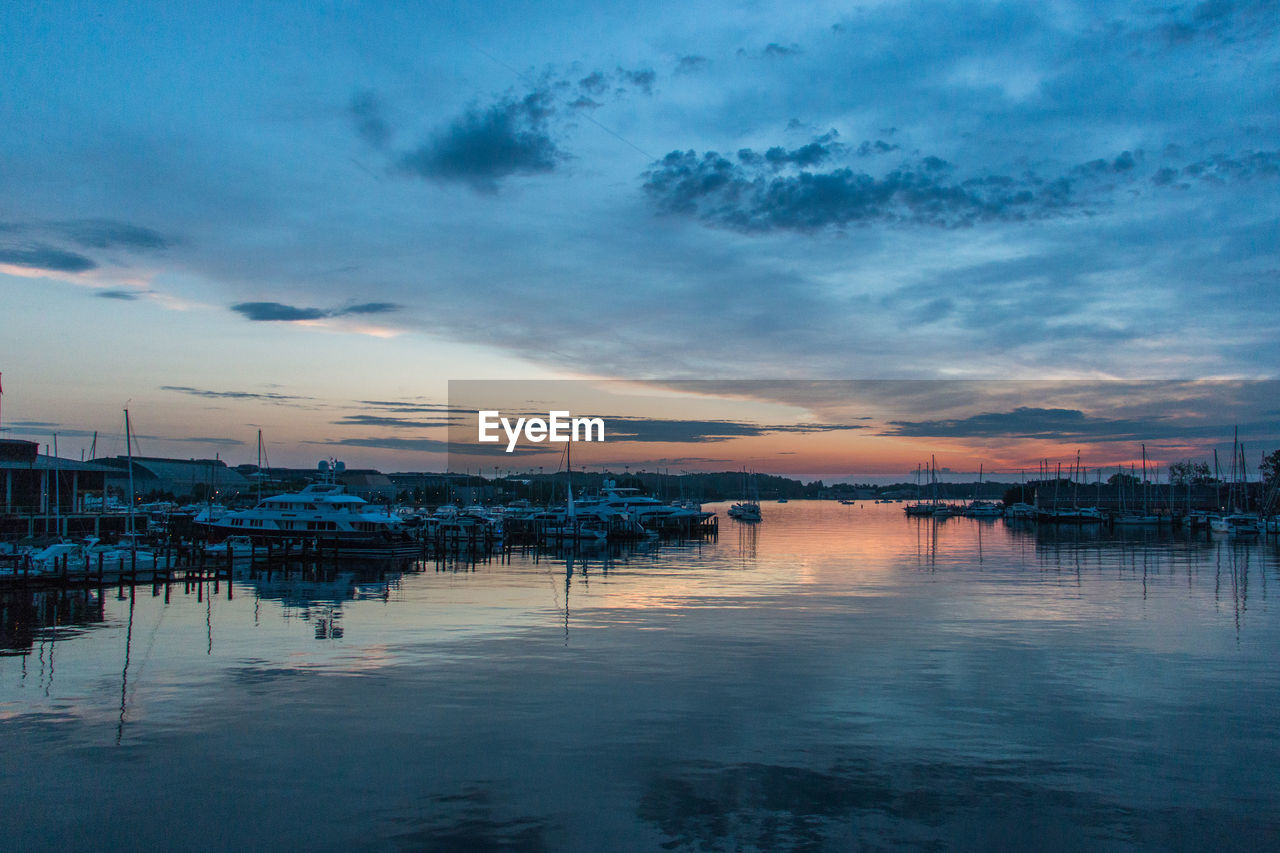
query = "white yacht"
x=451 y=522
x=1020 y=510
x=320 y=511
x=630 y=502
x=982 y=509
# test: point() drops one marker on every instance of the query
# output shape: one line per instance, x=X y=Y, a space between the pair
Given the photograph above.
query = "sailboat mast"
x=1075 y=483
x=1144 y=479
x=128 y=445
x=1244 y=481
x=57 y=489
x=1217 y=480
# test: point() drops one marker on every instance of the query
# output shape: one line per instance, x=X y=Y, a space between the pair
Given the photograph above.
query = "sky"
x=268 y=215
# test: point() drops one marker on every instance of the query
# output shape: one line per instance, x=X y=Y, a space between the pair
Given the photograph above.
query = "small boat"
x=1020 y=510
x=1197 y=520
x=51 y=558
x=579 y=530
x=747 y=509
x=1133 y=519
x=982 y=509
x=235 y=545
x=1236 y=524
x=1075 y=515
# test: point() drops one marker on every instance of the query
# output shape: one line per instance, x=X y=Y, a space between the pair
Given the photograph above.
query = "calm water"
x=833 y=678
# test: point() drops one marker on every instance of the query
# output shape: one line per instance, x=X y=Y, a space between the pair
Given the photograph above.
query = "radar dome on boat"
x=339 y=466
x=324 y=465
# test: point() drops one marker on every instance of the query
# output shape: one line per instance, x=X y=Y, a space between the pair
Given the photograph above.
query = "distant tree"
x=1122 y=480
x=1270 y=468
x=1018 y=494
x=1188 y=472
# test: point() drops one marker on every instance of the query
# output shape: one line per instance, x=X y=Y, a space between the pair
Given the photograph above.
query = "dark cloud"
x=109 y=234
x=782 y=188
x=691 y=63
x=84 y=233
x=789 y=189
x=812 y=428
x=1223 y=169
x=278 y=312
x=124 y=295
x=41 y=257
x=585 y=103
x=41 y=428
x=271 y=312
x=869 y=148
x=426 y=445
x=750 y=195
x=397 y=423
x=642 y=79
x=367 y=112
x=807 y=155
x=1224 y=22
x=45 y=428
x=775 y=49
x=1125 y=162
x=595 y=83
x=234 y=395
x=619 y=428
x=484 y=146
x=407 y=406
x=600 y=83
x=1022 y=422
x=815 y=153
x=225 y=442
x=1070 y=424
x=367 y=308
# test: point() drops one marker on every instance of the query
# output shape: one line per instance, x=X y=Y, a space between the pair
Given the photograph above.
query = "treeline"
x=705 y=487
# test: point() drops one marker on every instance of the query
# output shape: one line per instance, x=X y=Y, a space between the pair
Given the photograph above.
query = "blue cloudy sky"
x=262 y=214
